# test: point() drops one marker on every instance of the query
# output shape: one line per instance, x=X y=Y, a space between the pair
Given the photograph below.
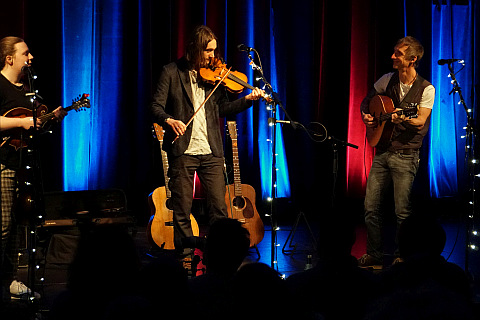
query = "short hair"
x=7 y=48
x=197 y=43
x=415 y=49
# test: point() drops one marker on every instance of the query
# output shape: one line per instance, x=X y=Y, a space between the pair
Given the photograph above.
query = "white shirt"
x=199 y=141
x=428 y=96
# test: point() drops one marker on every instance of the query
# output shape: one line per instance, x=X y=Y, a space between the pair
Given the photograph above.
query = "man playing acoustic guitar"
x=397 y=155
x=14 y=58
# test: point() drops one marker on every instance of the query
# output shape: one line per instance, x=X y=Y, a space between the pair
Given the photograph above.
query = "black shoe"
x=369 y=262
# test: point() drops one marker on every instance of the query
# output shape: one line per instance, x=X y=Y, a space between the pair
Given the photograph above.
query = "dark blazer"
x=173 y=99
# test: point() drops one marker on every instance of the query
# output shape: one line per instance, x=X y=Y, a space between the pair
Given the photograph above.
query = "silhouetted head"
x=226 y=246
x=421 y=233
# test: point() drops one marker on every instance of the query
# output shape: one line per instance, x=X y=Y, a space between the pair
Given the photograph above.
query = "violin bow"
x=205 y=101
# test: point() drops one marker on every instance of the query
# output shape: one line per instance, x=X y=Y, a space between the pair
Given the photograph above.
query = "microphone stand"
x=334 y=141
x=273 y=113
x=470 y=137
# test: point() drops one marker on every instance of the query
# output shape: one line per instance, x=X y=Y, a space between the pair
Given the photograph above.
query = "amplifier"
x=63 y=209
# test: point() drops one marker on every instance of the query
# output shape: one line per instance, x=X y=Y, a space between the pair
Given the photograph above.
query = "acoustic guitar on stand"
x=160 y=226
x=16 y=137
x=240 y=198
x=382 y=108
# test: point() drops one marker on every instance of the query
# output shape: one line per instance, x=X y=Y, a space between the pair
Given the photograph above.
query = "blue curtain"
x=265 y=135
x=93 y=55
x=451 y=38
x=92 y=48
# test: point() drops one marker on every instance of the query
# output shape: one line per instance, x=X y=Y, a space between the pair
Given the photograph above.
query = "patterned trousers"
x=10 y=243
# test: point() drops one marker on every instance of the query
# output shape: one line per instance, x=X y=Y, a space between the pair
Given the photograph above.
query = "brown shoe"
x=397 y=260
x=368 y=261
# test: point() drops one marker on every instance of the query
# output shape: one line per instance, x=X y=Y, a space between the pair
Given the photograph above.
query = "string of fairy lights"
x=472 y=164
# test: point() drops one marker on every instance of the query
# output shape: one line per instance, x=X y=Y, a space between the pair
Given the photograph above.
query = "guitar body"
x=16 y=136
x=242 y=208
x=160 y=226
x=381 y=134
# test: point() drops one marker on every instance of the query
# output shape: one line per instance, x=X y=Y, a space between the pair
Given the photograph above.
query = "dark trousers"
x=181 y=173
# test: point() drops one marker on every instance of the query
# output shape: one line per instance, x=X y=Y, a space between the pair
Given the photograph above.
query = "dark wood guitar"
x=160 y=226
x=240 y=198
x=15 y=137
x=381 y=108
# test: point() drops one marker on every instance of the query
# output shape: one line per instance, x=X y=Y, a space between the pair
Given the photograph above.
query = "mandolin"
x=160 y=226
x=240 y=198
x=381 y=108
x=14 y=137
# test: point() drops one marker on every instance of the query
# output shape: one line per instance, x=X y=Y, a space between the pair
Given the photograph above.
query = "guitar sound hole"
x=239 y=202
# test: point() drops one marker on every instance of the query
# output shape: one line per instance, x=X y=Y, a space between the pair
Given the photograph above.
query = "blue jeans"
x=388 y=167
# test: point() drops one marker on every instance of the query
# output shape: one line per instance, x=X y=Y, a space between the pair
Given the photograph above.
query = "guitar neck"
x=387 y=116
x=236 y=169
x=51 y=115
x=165 y=170
x=232 y=128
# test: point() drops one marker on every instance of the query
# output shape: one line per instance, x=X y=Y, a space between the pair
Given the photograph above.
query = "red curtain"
x=358 y=160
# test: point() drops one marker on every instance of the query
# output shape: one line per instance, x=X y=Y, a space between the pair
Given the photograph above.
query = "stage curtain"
x=451 y=38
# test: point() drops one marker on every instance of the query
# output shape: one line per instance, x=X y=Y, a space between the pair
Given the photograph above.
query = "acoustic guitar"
x=15 y=137
x=160 y=226
x=240 y=198
x=381 y=108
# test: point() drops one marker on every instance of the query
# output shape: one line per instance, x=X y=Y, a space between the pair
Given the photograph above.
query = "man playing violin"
x=14 y=58
x=179 y=94
x=396 y=160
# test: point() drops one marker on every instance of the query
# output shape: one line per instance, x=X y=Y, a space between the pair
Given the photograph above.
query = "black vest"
x=406 y=136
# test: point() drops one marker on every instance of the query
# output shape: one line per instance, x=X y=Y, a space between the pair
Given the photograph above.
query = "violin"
x=234 y=81
x=217 y=73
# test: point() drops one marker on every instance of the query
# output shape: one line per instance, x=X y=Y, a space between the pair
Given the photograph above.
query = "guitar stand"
x=291 y=235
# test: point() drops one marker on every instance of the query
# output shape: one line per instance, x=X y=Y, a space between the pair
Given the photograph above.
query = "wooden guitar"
x=160 y=226
x=240 y=198
x=381 y=108
x=14 y=137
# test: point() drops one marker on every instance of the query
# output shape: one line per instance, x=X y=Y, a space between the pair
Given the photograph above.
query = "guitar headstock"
x=232 y=129
x=159 y=132
x=81 y=103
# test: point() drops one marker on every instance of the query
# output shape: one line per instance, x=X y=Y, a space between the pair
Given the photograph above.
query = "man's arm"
x=368 y=120
x=424 y=111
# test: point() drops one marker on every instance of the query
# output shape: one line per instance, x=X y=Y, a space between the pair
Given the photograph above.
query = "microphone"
x=242 y=47
x=272 y=121
x=445 y=61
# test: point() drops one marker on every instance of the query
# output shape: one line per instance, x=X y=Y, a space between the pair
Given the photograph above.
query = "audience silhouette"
x=226 y=247
x=335 y=288
x=424 y=285
x=259 y=292
x=105 y=269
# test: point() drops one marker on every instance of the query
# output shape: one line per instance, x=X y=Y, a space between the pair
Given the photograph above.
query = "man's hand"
x=255 y=94
x=368 y=120
x=60 y=113
x=178 y=126
x=397 y=118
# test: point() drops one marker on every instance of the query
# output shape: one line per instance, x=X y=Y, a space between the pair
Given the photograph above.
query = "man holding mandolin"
x=15 y=57
x=189 y=108
x=397 y=138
